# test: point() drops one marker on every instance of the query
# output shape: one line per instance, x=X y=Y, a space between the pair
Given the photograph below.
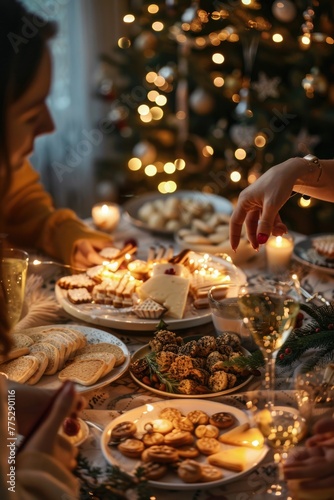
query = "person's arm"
x=31 y=221
x=259 y=204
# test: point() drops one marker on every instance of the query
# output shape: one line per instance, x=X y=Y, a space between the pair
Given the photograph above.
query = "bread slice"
x=72 y=340
x=105 y=347
x=243 y=435
x=43 y=363
x=107 y=357
x=20 y=369
x=59 y=345
x=234 y=459
x=14 y=353
x=52 y=353
x=84 y=372
x=21 y=340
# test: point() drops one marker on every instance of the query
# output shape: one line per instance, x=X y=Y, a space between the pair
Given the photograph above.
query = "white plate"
x=306 y=254
x=140 y=353
x=123 y=319
x=80 y=437
x=93 y=336
x=131 y=207
x=147 y=412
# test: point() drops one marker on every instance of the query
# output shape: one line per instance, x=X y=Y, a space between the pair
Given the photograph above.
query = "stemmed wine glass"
x=269 y=307
x=14 y=275
x=282 y=427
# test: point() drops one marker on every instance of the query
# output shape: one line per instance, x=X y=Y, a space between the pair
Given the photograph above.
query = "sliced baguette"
x=20 y=369
x=43 y=363
x=234 y=459
x=52 y=353
x=105 y=347
x=83 y=372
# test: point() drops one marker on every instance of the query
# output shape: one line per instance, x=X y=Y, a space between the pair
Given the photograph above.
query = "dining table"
x=124 y=394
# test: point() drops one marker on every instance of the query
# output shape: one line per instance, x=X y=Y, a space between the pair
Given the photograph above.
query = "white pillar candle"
x=279 y=251
x=106 y=216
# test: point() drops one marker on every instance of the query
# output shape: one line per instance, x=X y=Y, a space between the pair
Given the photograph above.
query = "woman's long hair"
x=23 y=38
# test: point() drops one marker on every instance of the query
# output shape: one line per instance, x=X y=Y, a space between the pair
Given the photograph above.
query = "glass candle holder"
x=106 y=216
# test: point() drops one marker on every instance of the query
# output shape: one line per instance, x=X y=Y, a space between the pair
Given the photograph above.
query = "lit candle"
x=278 y=251
x=106 y=216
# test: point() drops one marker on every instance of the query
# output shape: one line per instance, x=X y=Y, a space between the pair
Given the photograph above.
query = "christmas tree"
x=207 y=95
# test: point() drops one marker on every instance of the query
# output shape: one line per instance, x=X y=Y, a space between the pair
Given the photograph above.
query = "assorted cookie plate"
x=184 y=459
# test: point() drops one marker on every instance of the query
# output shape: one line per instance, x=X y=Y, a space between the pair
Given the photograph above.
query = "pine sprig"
x=109 y=484
x=252 y=361
x=170 y=383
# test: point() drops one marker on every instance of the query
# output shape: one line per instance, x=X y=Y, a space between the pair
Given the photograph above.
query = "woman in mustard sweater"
x=43 y=469
x=28 y=216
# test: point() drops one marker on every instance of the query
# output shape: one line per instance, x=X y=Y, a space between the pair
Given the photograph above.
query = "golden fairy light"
x=277 y=38
x=129 y=18
x=240 y=154
x=218 y=58
x=152 y=8
x=235 y=176
x=304 y=203
x=157 y=26
x=124 y=42
x=180 y=164
x=169 y=167
x=134 y=164
x=151 y=76
x=143 y=109
x=167 y=187
x=161 y=100
x=260 y=140
x=153 y=95
x=150 y=170
x=156 y=113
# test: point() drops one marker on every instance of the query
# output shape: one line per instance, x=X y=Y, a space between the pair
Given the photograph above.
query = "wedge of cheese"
x=168 y=290
x=234 y=459
x=243 y=435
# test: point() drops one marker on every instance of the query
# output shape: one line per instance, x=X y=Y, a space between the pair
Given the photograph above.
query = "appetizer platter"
x=205 y=366
x=45 y=356
x=190 y=448
x=137 y=293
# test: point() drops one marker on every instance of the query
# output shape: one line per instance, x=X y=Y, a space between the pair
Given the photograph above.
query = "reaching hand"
x=86 y=252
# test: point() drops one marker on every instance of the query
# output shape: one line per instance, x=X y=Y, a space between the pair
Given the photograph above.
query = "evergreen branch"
x=252 y=362
x=164 y=378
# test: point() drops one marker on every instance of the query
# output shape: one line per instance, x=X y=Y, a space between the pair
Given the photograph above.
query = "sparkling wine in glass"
x=14 y=275
x=282 y=427
x=269 y=308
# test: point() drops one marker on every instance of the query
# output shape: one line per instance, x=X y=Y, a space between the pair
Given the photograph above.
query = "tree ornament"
x=145 y=41
x=243 y=135
x=191 y=150
x=201 y=101
x=145 y=151
x=284 y=10
x=266 y=87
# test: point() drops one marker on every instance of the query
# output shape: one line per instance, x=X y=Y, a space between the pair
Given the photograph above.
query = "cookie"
x=208 y=446
x=188 y=451
x=183 y=424
x=131 y=448
x=152 y=438
x=162 y=454
x=189 y=471
x=210 y=473
x=170 y=413
x=161 y=425
x=123 y=430
x=178 y=438
x=209 y=430
x=153 y=471
x=222 y=420
x=198 y=417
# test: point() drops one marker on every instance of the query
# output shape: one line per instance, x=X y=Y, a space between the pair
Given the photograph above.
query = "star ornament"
x=266 y=87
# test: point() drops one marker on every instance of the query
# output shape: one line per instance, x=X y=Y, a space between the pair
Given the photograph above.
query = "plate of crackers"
x=46 y=356
x=178 y=446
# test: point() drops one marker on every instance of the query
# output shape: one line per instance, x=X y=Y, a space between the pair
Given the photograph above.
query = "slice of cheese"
x=242 y=436
x=168 y=290
x=234 y=459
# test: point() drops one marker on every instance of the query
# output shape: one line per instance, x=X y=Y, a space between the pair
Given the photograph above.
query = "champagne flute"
x=269 y=308
x=282 y=427
x=14 y=276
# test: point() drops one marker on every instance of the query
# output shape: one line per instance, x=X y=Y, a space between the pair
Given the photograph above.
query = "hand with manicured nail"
x=259 y=204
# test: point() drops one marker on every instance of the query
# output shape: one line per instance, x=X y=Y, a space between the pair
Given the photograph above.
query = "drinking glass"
x=269 y=308
x=282 y=427
x=14 y=276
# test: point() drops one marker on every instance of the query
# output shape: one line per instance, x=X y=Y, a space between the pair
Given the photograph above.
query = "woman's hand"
x=46 y=439
x=31 y=402
x=86 y=252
